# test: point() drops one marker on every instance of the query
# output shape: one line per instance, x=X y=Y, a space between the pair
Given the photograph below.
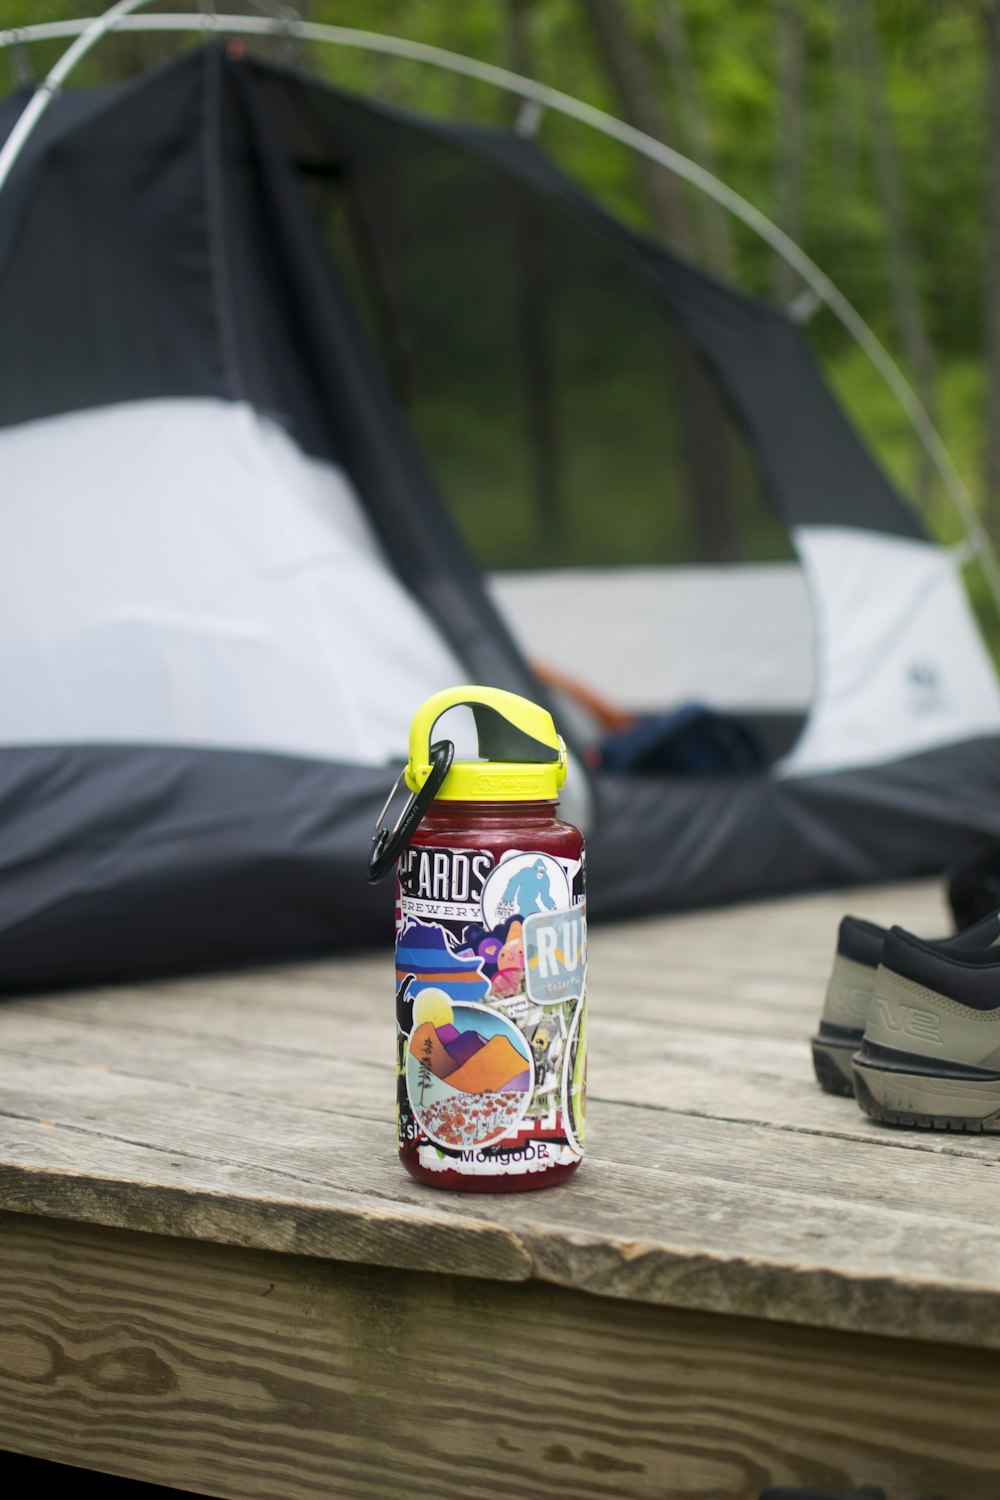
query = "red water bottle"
x=491 y=954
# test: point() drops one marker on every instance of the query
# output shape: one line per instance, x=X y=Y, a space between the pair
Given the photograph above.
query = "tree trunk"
x=906 y=305
x=534 y=361
x=713 y=222
x=845 y=133
x=991 y=475
x=708 y=490
x=789 y=184
x=640 y=105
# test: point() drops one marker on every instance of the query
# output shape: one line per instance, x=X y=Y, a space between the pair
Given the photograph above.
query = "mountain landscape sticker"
x=469 y=1072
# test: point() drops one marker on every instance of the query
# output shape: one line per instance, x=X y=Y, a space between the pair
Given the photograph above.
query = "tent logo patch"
x=925 y=692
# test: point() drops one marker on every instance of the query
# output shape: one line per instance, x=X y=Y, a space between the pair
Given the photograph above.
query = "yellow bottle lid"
x=522 y=758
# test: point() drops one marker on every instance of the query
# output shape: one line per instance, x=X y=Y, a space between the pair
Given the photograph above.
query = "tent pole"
x=90 y=31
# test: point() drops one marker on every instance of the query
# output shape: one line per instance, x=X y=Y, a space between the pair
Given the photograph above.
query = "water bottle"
x=491 y=953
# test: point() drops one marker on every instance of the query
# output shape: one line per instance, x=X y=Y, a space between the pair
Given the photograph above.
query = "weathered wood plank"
x=749 y=1076
x=694 y=1212
x=256 y=1109
x=788 y=943
x=756 y=1006
x=274 y=1378
x=335 y=1098
x=121 y=1184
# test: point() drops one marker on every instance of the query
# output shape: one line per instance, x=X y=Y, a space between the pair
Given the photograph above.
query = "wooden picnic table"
x=214 y=1275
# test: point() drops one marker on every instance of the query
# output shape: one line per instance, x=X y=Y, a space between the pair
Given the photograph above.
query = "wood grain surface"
x=255 y=1110
x=277 y=1377
x=748 y=1283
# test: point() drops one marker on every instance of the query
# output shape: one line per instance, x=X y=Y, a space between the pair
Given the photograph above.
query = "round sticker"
x=469 y=1072
x=523 y=884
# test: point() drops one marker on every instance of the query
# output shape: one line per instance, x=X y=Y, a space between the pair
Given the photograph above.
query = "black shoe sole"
x=832 y=1065
x=881 y=1096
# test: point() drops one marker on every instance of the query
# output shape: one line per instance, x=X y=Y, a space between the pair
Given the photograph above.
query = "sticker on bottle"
x=470 y=1073
x=555 y=956
x=491 y=963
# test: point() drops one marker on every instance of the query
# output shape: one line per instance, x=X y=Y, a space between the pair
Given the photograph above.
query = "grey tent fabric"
x=183 y=241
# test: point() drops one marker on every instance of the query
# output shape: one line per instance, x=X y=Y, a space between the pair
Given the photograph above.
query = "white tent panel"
x=178 y=572
x=649 y=638
x=902 y=667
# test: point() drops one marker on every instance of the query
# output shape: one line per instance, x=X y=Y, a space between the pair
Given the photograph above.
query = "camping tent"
x=282 y=371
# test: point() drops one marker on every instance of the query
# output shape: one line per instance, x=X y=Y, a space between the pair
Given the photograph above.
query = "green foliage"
x=935 y=75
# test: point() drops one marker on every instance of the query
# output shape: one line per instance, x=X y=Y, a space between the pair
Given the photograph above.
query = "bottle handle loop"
x=386 y=846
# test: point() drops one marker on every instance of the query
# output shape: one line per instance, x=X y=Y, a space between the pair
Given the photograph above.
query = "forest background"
x=868 y=130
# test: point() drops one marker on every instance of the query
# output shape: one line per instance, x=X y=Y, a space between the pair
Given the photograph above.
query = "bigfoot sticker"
x=490 y=1005
x=523 y=884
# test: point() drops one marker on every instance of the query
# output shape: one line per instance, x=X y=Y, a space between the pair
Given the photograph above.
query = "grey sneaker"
x=930 y=1055
x=845 y=1010
x=860 y=948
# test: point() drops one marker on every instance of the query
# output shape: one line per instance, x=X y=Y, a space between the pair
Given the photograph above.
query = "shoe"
x=973 y=884
x=930 y=1055
x=860 y=947
x=845 y=1009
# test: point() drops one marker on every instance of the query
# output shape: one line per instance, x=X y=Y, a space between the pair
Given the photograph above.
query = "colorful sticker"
x=490 y=1004
x=469 y=1073
x=428 y=955
x=575 y=1080
x=523 y=884
x=555 y=956
x=443 y=884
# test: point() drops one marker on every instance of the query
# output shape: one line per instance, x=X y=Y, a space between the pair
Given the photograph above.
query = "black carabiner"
x=386 y=846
